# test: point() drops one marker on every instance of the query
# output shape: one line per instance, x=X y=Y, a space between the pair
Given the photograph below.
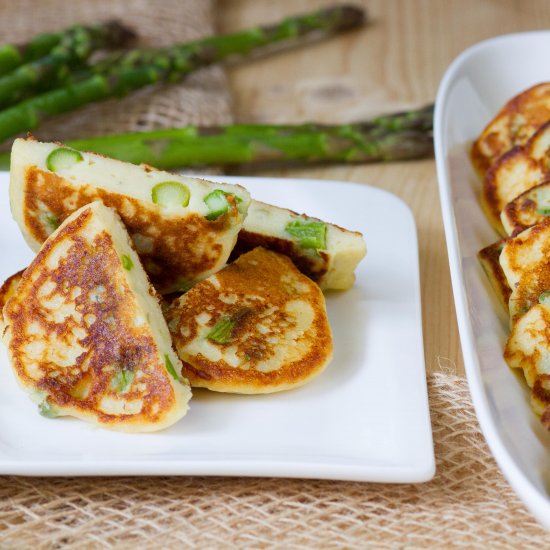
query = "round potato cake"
x=257 y=326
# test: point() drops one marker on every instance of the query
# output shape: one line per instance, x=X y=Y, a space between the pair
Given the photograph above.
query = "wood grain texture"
x=396 y=62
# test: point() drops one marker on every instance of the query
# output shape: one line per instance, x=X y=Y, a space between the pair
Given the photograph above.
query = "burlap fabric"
x=467 y=505
x=203 y=98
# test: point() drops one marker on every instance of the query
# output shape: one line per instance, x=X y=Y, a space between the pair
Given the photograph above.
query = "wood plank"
x=396 y=62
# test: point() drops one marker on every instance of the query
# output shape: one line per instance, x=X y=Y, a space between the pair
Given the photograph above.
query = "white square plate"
x=364 y=418
x=473 y=89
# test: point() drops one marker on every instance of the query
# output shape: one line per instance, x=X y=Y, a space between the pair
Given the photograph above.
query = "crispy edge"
x=489 y=260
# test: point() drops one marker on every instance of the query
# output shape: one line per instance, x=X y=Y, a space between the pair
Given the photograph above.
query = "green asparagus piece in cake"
x=62 y=158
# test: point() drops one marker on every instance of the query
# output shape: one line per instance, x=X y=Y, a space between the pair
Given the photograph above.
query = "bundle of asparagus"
x=138 y=68
x=52 y=58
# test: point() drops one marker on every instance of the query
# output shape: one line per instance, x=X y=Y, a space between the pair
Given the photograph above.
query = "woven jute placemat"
x=202 y=98
x=467 y=505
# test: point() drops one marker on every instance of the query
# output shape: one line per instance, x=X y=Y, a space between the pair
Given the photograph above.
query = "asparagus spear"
x=15 y=55
x=75 y=47
x=399 y=136
x=12 y=56
x=139 y=69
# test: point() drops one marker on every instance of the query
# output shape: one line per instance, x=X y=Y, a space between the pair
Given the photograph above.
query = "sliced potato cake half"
x=513 y=125
x=183 y=228
x=515 y=172
x=257 y=326
x=326 y=253
x=85 y=333
x=525 y=260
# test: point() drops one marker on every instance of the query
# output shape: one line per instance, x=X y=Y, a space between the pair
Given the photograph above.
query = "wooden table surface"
x=394 y=63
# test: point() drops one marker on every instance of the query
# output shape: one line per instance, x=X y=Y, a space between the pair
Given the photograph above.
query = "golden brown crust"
x=315 y=267
x=489 y=258
x=540 y=397
x=534 y=277
x=173 y=252
x=515 y=172
x=82 y=304
x=494 y=199
x=526 y=348
x=7 y=290
x=511 y=155
x=535 y=323
x=524 y=212
x=255 y=291
x=514 y=124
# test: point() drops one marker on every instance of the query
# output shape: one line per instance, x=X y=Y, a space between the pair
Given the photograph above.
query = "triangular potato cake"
x=85 y=333
x=257 y=326
x=183 y=228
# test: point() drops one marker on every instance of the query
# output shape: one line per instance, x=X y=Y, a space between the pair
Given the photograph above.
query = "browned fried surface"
x=540 y=396
x=72 y=328
x=510 y=176
x=515 y=172
x=489 y=258
x=255 y=290
x=533 y=267
x=527 y=348
x=314 y=266
x=515 y=123
x=524 y=211
x=7 y=290
x=174 y=251
x=526 y=357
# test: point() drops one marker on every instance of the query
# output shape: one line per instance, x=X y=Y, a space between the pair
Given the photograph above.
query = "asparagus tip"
x=120 y=34
x=348 y=16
